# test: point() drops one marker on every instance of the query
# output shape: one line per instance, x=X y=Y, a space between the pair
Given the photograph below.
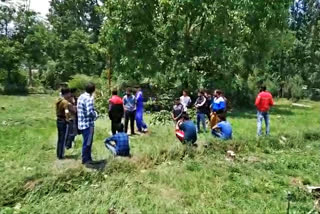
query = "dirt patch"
x=296 y=182
x=61 y=165
x=30 y=185
x=169 y=194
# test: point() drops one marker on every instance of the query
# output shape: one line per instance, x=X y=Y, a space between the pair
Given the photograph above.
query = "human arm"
x=90 y=109
x=271 y=101
x=203 y=102
x=109 y=140
x=258 y=100
x=216 y=126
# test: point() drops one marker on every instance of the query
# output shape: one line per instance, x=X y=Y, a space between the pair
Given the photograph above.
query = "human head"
x=120 y=128
x=73 y=91
x=200 y=93
x=129 y=91
x=222 y=117
x=217 y=93
x=263 y=88
x=66 y=93
x=114 y=92
x=177 y=101
x=185 y=116
x=90 y=88
x=185 y=93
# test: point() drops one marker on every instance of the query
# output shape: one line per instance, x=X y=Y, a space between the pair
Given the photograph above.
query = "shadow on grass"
x=97 y=165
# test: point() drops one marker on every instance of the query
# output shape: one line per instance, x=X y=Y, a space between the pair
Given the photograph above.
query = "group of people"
x=214 y=107
x=77 y=115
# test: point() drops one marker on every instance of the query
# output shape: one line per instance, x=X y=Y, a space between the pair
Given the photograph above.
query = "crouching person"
x=118 y=144
x=186 y=130
x=223 y=129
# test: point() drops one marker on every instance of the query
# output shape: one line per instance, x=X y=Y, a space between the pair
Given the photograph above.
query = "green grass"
x=162 y=176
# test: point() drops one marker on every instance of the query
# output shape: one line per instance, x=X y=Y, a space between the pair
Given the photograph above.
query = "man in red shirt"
x=115 y=111
x=263 y=103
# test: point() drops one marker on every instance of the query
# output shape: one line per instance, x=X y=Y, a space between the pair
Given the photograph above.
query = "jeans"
x=219 y=135
x=87 y=135
x=111 y=148
x=129 y=115
x=63 y=129
x=263 y=116
x=201 y=117
x=139 y=120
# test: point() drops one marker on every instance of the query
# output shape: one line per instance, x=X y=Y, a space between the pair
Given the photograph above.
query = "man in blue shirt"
x=121 y=140
x=86 y=117
x=189 y=129
x=219 y=104
x=223 y=129
x=129 y=105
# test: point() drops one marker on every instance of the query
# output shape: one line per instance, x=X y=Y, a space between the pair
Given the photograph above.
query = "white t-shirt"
x=185 y=101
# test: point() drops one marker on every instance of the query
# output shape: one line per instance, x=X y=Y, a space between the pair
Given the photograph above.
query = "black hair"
x=263 y=88
x=65 y=91
x=129 y=90
x=222 y=117
x=90 y=88
x=185 y=116
x=121 y=128
x=114 y=92
x=185 y=90
x=219 y=92
x=177 y=99
x=201 y=92
x=73 y=90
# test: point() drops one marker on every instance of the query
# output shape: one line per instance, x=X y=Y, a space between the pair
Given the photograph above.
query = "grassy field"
x=162 y=176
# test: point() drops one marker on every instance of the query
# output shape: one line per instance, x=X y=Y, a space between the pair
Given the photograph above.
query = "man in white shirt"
x=185 y=100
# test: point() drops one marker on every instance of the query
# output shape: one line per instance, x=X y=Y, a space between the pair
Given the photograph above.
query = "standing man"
x=86 y=117
x=185 y=100
x=142 y=127
x=129 y=105
x=263 y=103
x=201 y=110
x=115 y=111
x=219 y=104
x=177 y=110
x=63 y=111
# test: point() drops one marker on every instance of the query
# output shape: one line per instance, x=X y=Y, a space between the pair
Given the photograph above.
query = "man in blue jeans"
x=86 y=117
x=121 y=140
x=264 y=101
x=201 y=110
x=223 y=129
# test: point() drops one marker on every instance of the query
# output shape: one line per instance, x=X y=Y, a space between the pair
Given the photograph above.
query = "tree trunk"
x=30 y=83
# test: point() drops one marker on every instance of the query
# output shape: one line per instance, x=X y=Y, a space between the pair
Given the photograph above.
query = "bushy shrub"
x=17 y=85
x=80 y=81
